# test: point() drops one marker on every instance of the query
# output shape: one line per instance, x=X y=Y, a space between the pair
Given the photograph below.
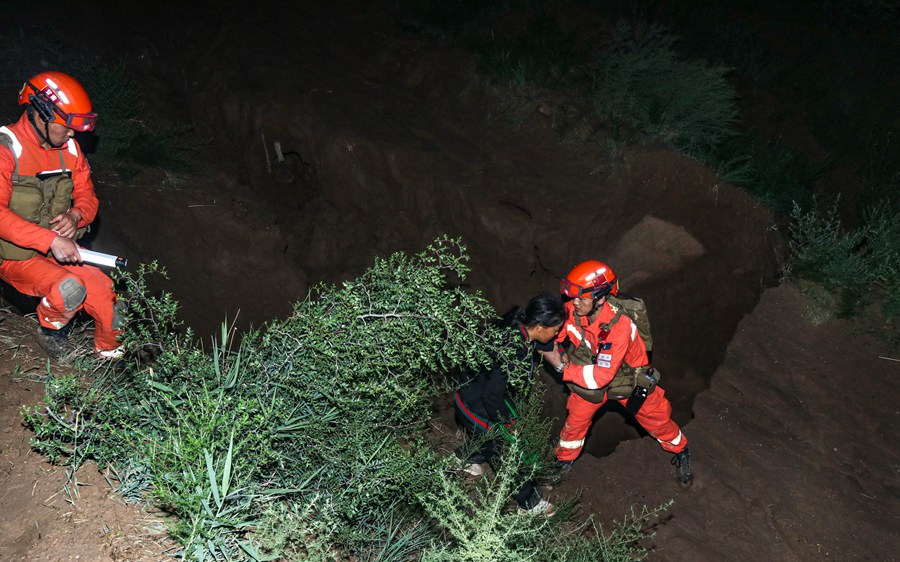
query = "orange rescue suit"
x=609 y=349
x=41 y=276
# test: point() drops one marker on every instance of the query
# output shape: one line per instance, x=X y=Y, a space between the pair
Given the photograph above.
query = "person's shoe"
x=54 y=342
x=472 y=469
x=543 y=507
x=112 y=354
x=683 y=472
x=466 y=467
x=560 y=473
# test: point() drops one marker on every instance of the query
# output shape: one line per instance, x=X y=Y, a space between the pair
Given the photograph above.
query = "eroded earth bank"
x=329 y=137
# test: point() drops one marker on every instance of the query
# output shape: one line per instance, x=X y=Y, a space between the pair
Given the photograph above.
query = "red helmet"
x=590 y=277
x=59 y=98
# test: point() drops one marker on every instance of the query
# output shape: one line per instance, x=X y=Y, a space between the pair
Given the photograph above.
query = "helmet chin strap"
x=595 y=298
x=593 y=310
x=45 y=136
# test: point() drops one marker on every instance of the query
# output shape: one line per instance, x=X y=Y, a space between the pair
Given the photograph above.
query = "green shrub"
x=334 y=398
x=883 y=223
x=56 y=432
x=821 y=251
x=538 y=56
x=767 y=169
x=476 y=523
x=309 y=439
x=354 y=366
x=622 y=543
x=122 y=130
x=304 y=528
x=643 y=84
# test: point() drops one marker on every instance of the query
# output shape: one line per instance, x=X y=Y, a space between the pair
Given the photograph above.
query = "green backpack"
x=636 y=309
x=627 y=377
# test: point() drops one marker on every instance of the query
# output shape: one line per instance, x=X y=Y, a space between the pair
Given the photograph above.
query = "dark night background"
x=285 y=144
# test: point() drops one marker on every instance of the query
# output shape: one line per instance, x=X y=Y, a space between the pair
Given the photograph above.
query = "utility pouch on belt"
x=582 y=355
x=647 y=379
x=595 y=395
x=623 y=383
x=628 y=382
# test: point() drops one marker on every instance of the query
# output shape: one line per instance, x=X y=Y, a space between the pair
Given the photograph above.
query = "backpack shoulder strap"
x=618 y=309
x=636 y=310
x=9 y=140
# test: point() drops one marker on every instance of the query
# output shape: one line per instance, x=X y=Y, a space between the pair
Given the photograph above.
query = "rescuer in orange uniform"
x=606 y=346
x=47 y=200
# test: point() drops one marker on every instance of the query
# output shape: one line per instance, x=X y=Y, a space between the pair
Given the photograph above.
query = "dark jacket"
x=488 y=393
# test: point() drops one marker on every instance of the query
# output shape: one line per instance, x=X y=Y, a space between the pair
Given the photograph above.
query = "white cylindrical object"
x=97 y=258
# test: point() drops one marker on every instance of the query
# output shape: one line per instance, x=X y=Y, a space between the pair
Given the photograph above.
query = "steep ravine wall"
x=352 y=186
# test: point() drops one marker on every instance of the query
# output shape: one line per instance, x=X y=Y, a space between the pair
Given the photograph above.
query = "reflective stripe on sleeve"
x=589 y=381
x=571 y=444
x=574 y=331
x=578 y=336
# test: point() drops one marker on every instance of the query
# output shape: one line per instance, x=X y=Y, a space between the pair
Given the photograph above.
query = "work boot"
x=54 y=342
x=561 y=472
x=683 y=473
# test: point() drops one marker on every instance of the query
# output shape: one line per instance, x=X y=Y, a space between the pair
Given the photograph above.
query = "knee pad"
x=118 y=321
x=73 y=293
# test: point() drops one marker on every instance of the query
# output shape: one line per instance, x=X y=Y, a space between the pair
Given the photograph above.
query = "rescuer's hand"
x=66 y=224
x=65 y=250
x=554 y=359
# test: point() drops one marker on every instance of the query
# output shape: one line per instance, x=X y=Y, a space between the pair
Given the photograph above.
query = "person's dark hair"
x=543 y=309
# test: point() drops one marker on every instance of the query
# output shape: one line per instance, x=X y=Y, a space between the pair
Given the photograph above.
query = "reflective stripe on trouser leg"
x=578 y=421
x=656 y=417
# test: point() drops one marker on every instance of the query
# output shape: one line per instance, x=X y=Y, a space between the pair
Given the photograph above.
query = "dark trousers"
x=529 y=495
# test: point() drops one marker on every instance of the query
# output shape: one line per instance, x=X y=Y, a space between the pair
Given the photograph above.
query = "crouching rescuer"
x=47 y=201
x=609 y=361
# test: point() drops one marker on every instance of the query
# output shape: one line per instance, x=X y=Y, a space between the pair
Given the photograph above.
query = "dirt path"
x=44 y=518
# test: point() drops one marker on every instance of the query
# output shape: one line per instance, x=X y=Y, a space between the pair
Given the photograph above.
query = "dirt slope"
x=389 y=140
x=48 y=517
x=794 y=450
x=794 y=446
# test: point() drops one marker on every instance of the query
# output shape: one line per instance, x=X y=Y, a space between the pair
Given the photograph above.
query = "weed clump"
x=123 y=132
x=847 y=263
x=308 y=439
x=643 y=84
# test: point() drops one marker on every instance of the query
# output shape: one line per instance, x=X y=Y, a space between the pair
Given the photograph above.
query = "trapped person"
x=608 y=361
x=47 y=201
x=486 y=399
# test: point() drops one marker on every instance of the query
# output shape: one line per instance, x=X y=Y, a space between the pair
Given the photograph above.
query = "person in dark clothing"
x=486 y=398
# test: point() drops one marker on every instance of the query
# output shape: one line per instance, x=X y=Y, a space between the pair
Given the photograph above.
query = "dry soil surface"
x=794 y=448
